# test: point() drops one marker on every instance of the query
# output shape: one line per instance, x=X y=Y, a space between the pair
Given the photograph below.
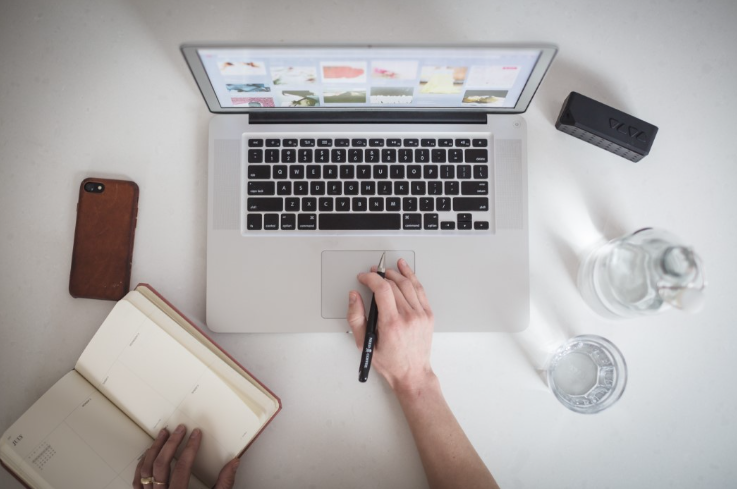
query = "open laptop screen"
x=240 y=79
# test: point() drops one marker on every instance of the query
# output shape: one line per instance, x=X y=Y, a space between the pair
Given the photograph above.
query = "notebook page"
x=158 y=383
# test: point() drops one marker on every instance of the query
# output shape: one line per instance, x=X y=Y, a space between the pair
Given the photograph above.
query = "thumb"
x=226 y=479
x=356 y=317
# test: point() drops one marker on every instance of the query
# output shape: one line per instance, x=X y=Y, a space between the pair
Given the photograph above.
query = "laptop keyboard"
x=430 y=183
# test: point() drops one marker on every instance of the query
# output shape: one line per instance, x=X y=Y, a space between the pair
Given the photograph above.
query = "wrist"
x=416 y=386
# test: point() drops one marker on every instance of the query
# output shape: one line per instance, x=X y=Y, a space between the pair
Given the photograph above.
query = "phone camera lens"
x=94 y=187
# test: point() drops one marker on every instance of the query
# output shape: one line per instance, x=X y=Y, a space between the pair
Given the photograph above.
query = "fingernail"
x=351 y=297
x=402 y=261
x=196 y=433
x=162 y=432
x=180 y=429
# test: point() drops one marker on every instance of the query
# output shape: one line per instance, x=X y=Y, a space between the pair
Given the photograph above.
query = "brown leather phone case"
x=103 y=239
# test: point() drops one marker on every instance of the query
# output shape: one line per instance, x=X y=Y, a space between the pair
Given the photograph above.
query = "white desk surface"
x=88 y=89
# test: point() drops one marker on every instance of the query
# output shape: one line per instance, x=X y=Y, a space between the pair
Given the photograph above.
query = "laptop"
x=321 y=158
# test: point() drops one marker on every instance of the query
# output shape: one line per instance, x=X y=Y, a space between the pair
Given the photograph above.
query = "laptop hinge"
x=369 y=117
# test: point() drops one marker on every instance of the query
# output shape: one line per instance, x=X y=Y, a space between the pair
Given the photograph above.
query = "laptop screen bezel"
x=191 y=55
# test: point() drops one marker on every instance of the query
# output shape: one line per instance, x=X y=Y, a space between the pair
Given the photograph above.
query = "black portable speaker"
x=606 y=127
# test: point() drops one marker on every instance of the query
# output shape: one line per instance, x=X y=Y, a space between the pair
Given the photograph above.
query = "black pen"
x=369 y=341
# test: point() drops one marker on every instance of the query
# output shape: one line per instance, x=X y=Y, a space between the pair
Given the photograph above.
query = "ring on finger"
x=158 y=483
x=147 y=480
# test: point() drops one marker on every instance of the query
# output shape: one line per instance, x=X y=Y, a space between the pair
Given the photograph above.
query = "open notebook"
x=146 y=368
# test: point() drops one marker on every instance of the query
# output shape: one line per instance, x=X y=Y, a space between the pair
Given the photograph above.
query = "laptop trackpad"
x=339 y=270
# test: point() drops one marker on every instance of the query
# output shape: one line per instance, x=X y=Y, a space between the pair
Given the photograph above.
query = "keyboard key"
x=430 y=172
x=325 y=204
x=480 y=143
x=463 y=225
x=338 y=155
x=301 y=188
x=428 y=143
x=324 y=143
x=347 y=171
x=376 y=204
x=287 y=222
x=280 y=171
x=412 y=221
x=329 y=172
x=291 y=204
x=342 y=143
x=464 y=143
x=445 y=143
x=317 y=188
x=434 y=187
x=396 y=172
x=296 y=172
x=422 y=155
x=384 y=188
x=474 y=188
x=414 y=171
x=481 y=225
x=255 y=155
x=322 y=156
x=418 y=188
x=342 y=204
x=253 y=222
x=443 y=204
x=313 y=171
x=271 y=222
x=359 y=142
x=381 y=172
x=372 y=156
x=401 y=188
x=409 y=204
x=307 y=143
x=389 y=156
x=284 y=188
x=335 y=188
x=480 y=171
x=350 y=188
x=438 y=156
x=290 y=143
x=272 y=156
x=405 y=156
x=362 y=222
x=394 y=143
x=427 y=204
x=431 y=221
x=463 y=171
x=451 y=188
x=470 y=204
x=255 y=143
x=261 y=188
x=464 y=216
x=288 y=155
x=447 y=225
x=411 y=143
x=363 y=171
x=273 y=143
x=359 y=204
x=309 y=204
x=259 y=172
x=477 y=156
x=305 y=156
x=355 y=155
x=368 y=188
x=447 y=172
x=376 y=143
x=265 y=204
x=393 y=204
x=455 y=155
x=307 y=222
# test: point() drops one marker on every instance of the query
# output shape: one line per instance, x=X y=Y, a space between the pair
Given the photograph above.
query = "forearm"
x=449 y=459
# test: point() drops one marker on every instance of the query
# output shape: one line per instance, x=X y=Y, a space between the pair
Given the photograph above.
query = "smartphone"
x=107 y=212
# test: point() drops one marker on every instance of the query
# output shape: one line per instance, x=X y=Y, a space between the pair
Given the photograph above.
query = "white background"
x=99 y=88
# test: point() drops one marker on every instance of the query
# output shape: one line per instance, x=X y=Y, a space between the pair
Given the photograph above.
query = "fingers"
x=137 y=476
x=162 y=463
x=405 y=269
x=383 y=293
x=226 y=479
x=406 y=287
x=183 y=468
x=356 y=317
x=147 y=467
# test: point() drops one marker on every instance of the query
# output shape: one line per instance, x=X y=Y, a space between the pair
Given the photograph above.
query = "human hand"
x=404 y=328
x=153 y=471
